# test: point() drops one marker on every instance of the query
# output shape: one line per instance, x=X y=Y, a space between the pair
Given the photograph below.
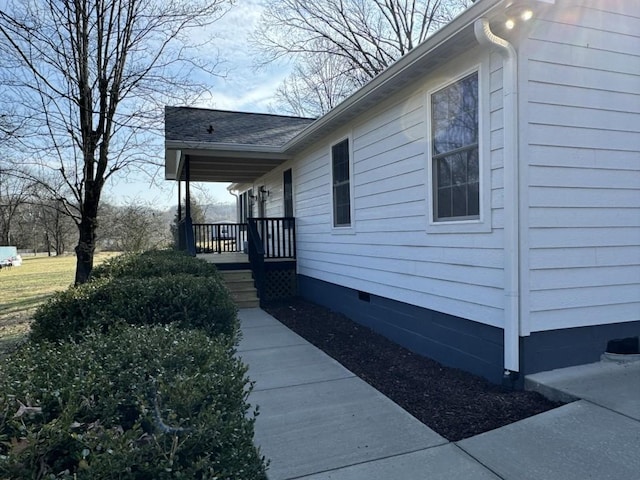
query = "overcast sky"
x=242 y=89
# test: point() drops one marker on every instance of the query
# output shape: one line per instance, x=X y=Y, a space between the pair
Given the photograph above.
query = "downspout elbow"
x=485 y=36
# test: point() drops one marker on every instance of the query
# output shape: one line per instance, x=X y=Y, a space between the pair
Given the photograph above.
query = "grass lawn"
x=23 y=288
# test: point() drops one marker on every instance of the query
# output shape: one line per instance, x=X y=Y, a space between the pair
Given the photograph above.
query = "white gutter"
x=485 y=36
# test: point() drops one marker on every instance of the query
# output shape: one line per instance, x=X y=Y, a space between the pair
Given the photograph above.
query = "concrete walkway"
x=318 y=421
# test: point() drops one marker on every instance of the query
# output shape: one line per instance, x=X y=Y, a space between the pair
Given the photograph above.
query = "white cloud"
x=245 y=91
x=243 y=88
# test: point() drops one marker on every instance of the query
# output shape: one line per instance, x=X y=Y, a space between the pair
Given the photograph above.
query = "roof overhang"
x=210 y=162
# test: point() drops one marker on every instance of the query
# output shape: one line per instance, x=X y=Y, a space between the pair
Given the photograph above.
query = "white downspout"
x=485 y=36
x=238 y=219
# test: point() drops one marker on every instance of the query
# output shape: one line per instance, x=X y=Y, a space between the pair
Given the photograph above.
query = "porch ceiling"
x=207 y=166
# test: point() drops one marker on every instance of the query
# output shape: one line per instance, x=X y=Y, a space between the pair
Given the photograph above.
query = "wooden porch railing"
x=220 y=237
x=185 y=236
x=260 y=238
x=277 y=236
x=256 y=260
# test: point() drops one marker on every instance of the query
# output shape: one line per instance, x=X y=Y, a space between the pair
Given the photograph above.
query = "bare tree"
x=363 y=37
x=315 y=86
x=90 y=76
x=57 y=225
x=15 y=192
x=9 y=128
x=138 y=227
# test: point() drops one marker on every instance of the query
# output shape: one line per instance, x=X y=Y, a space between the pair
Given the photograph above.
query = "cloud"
x=242 y=87
x=245 y=91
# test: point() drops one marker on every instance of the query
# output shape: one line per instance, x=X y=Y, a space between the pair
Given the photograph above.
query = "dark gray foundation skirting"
x=542 y=351
x=461 y=343
x=450 y=340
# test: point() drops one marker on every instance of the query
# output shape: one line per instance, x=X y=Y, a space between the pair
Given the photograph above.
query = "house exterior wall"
x=436 y=289
x=580 y=110
x=440 y=289
x=391 y=250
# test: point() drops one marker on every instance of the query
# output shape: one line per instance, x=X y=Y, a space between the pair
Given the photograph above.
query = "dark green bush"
x=191 y=302
x=154 y=263
x=155 y=402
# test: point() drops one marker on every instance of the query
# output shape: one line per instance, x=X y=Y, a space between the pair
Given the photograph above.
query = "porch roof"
x=225 y=146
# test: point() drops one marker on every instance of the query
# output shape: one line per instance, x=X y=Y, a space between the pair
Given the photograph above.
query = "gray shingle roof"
x=218 y=126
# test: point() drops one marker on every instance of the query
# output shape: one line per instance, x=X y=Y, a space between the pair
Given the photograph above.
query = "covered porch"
x=239 y=148
x=263 y=247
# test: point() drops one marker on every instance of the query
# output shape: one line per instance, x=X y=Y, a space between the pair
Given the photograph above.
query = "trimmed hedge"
x=154 y=263
x=191 y=302
x=151 y=402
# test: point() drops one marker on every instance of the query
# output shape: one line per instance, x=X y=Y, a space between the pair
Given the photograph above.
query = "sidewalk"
x=319 y=421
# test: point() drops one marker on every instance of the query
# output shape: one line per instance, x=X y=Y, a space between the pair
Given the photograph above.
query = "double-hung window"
x=341 y=184
x=454 y=154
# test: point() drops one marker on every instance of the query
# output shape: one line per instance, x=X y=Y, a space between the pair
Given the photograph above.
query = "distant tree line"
x=32 y=221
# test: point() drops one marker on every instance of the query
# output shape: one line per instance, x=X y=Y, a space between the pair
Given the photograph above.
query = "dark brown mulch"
x=454 y=403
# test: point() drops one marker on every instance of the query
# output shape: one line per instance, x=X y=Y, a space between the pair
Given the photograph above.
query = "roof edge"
x=222 y=110
x=227 y=147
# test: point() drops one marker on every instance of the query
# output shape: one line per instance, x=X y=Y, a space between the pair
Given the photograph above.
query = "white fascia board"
x=418 y=54
x=171 y=164
x=222 y=147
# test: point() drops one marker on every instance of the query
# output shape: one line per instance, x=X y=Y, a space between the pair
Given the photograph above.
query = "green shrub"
x=137 y=403
x=191 y=302
x=154 y=263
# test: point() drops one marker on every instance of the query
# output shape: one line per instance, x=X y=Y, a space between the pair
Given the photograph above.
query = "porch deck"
x=225 y=258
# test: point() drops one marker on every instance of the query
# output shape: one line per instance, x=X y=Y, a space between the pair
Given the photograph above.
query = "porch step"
x=240 y=285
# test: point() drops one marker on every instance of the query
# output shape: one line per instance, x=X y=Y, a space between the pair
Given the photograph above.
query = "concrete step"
x=236 y=275
x=245 y=295
x=241 y=286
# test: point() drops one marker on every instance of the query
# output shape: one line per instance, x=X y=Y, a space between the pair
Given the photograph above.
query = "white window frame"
x=481 y=224
x=342 y=228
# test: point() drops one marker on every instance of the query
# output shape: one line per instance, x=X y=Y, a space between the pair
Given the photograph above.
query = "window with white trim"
x=454 y=152
x=341 y=184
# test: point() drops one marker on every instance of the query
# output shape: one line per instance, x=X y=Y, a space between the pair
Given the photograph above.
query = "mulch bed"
x=454 y=403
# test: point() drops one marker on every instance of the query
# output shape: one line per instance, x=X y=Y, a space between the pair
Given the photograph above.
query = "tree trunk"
x=84 y=253
x=86 y=243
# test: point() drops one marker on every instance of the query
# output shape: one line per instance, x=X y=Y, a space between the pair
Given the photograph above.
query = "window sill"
x=460 y=226
x=343 y=230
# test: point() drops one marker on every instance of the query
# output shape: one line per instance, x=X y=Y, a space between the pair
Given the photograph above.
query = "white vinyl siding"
x=583 y=144
x=389 y=253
